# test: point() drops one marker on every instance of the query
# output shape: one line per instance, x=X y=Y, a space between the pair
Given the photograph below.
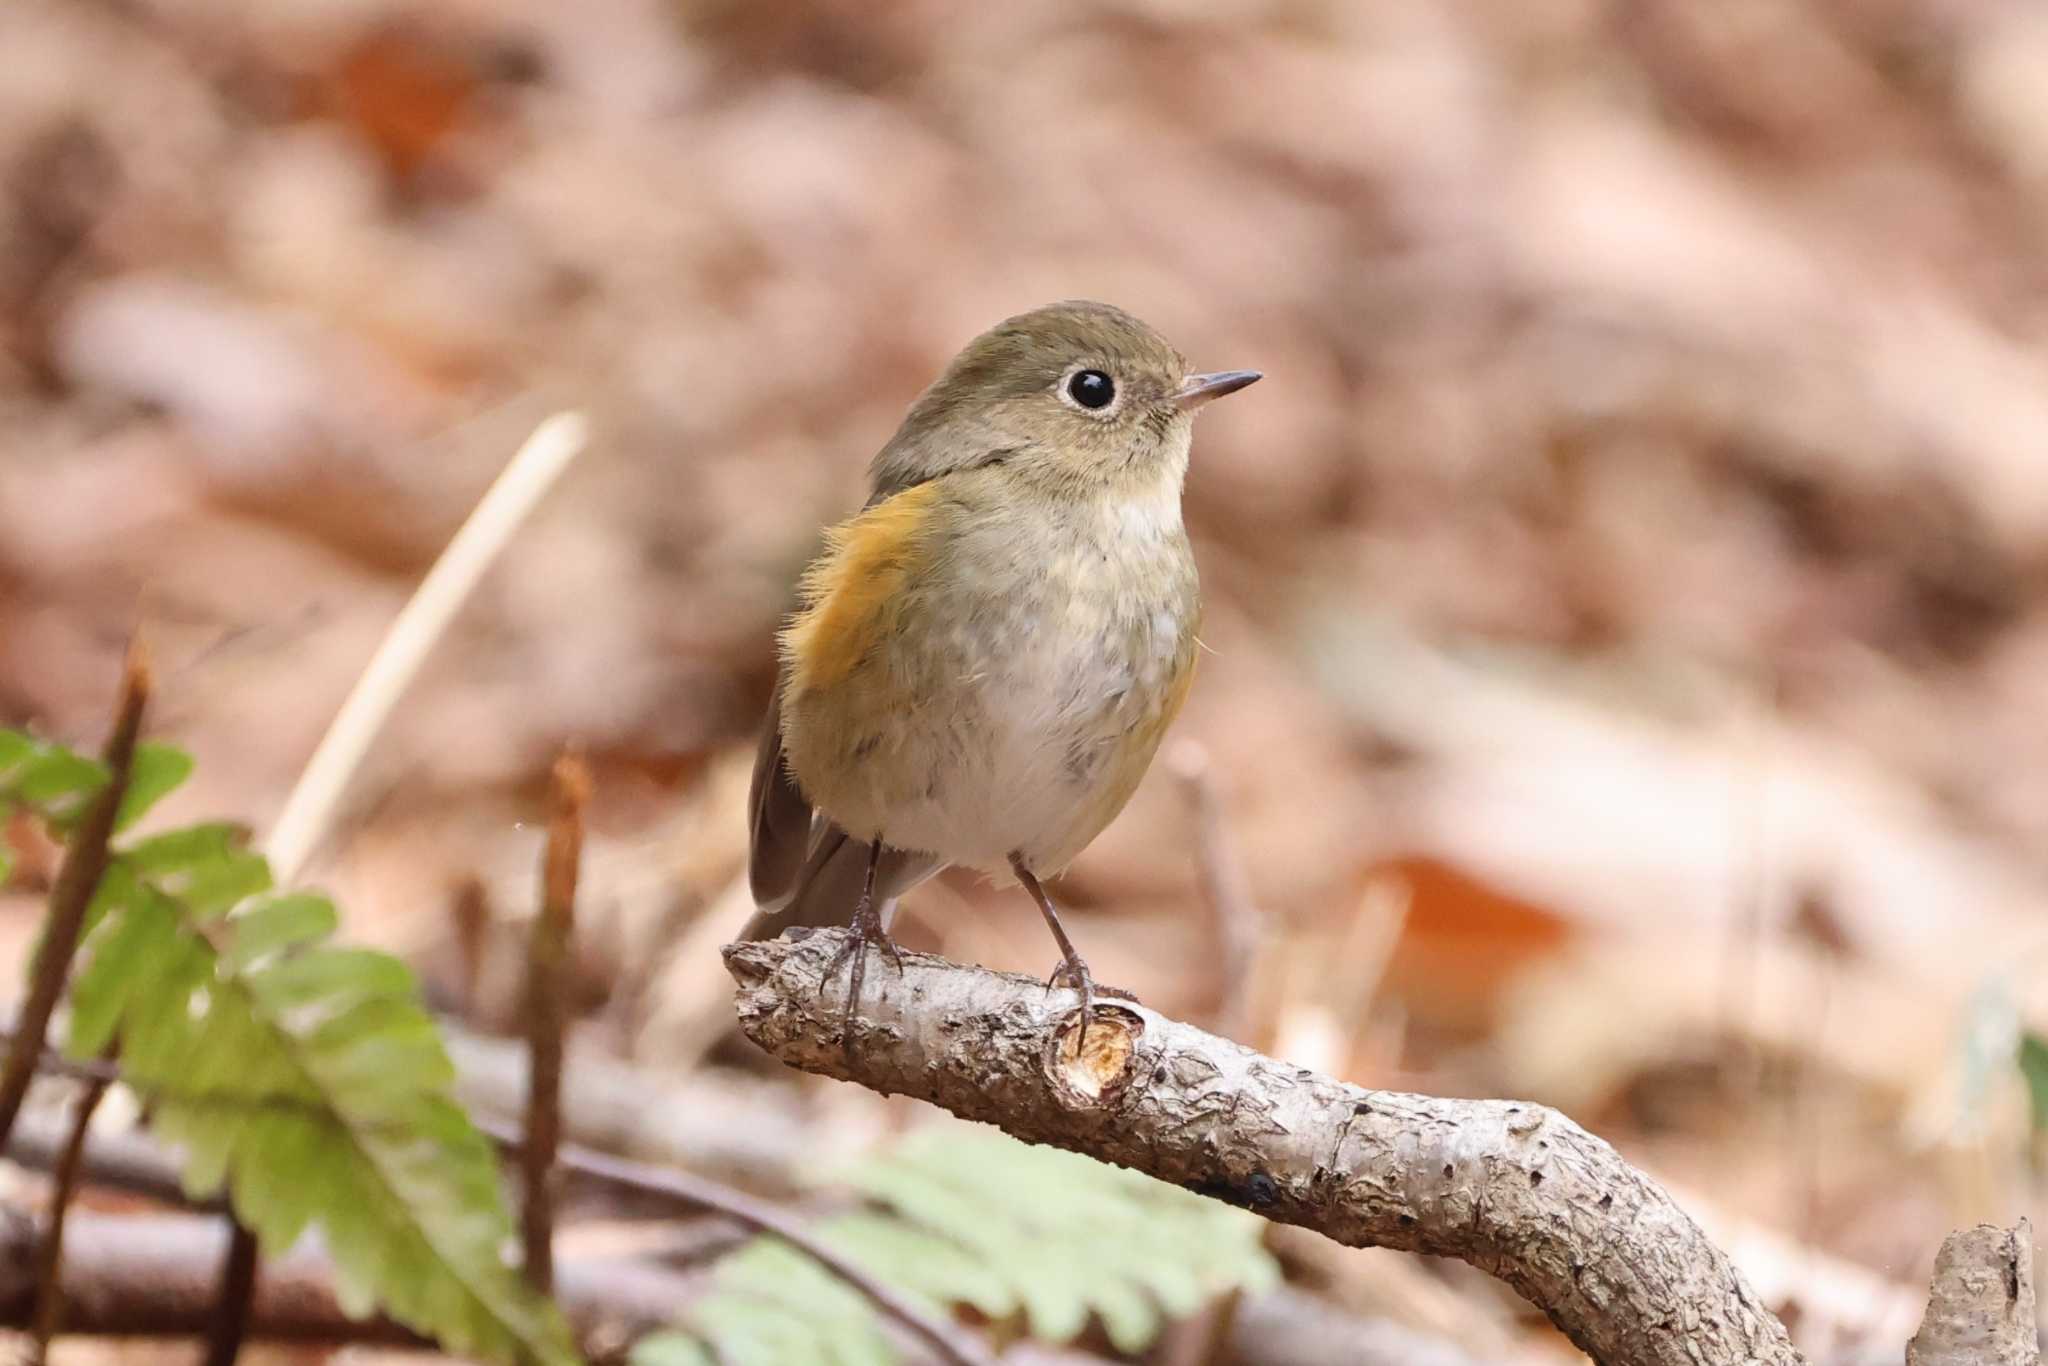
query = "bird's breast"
x=1078 y=666
x=1012 y=690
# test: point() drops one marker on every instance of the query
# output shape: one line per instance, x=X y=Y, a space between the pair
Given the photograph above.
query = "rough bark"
x=1515 y=1189
x=1981 y=1310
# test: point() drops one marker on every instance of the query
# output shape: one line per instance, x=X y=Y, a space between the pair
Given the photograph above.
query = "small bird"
x=984 y=659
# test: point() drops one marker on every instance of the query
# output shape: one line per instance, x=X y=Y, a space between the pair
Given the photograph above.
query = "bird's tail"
x=829 y=885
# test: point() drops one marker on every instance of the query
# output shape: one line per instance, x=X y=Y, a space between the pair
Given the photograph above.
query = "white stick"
x=532 y=472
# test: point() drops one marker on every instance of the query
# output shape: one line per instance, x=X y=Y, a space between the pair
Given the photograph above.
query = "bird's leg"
x=1073 y=969
x=867 y=929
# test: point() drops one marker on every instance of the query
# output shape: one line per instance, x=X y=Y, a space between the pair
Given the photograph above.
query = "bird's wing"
x=795 y=855
x=828 y=886
x=780 y=822
x=778 y=817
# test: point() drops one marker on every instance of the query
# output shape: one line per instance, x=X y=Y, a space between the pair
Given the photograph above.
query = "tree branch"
x=1515 y=1189
x=1981 y=1310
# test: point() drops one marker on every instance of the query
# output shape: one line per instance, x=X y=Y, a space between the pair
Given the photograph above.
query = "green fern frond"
x=773 y=1306
x=962 y=1216
x=206 y=868
x=305 y=1079
x=309 y=1081
x=671 y=1349
x=54 y=783
x=47 y=778
x=925 y=1265
x=155 y=771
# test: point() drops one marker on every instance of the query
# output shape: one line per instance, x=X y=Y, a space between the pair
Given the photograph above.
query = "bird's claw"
x=1073 y=972
x=867 y=930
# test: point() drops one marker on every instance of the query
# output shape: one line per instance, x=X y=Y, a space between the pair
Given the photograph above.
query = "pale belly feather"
x=1022 y=710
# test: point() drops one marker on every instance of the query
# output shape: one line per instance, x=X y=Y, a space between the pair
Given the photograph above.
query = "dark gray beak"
x=1196 y=390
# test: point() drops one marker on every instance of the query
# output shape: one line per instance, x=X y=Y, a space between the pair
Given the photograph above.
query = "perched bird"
x=983 y=660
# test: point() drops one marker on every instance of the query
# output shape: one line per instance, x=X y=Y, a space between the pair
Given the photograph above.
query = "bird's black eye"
x=1091 y=389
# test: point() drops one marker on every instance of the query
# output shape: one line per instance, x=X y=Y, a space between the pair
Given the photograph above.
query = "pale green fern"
x=303 y=1078
x=1026 y=1236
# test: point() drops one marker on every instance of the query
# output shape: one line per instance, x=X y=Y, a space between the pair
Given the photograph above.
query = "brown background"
x=1628 y=637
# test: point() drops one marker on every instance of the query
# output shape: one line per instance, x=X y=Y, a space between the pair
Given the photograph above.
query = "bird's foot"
x=867 y=929
x=1073 y=972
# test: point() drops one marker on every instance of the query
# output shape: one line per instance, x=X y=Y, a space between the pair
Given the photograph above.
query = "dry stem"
x=526 y=479
x=236 y=1301
x=85 y=860
x=547 y=970
x=50 y=1256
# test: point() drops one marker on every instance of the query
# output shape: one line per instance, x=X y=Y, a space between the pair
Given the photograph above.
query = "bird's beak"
x=1196 y=390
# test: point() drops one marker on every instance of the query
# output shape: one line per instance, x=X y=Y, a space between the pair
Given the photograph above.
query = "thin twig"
x=1225 y=888
x=698 y=1192
x=78 y=877
x=547 y=971
x=154 y=1275
x=55 y=1064
x=947 y=1341
x=469 y=916
x=310 y=807
x=232 y=1308
x=129 y=1160
x=50 y=1256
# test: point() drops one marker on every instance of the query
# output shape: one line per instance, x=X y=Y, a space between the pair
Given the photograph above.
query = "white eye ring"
x=1101 y=375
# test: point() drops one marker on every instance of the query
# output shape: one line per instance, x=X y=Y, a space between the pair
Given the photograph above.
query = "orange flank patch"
x=851 y=592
